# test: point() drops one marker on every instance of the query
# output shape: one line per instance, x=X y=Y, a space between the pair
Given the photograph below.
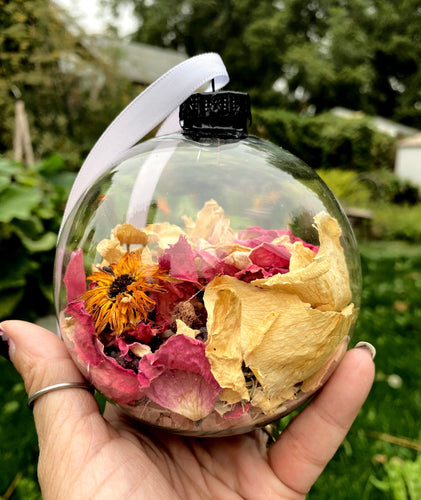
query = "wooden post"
x=22 y=147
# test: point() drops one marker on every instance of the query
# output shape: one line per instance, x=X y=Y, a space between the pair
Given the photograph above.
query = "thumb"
x=42 y=360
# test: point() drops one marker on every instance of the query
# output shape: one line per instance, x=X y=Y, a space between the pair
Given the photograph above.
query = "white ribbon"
x=146 y=111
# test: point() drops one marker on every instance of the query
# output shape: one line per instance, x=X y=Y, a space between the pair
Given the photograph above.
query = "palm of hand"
x=119 y=460
x=84 y=454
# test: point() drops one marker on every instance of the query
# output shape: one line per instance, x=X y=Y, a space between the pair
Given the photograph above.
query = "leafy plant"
x=403 y=478
x=325 y=140
x=31 y=203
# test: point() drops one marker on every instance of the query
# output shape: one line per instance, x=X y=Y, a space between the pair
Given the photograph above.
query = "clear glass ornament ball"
x=207 y=287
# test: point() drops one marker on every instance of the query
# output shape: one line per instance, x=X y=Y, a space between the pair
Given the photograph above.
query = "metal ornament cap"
x=223 y=114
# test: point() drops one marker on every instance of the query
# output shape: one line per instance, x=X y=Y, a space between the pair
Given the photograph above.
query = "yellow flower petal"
x=320 y=279
x=211 y=224
x=111 y=251
x=164 y=234
x=183 y=329
x=280 y=338
x=286 y=328
x=127 y=234
x=223 y=347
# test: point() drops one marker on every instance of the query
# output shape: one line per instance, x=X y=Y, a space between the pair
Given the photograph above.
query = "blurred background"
x=336 y=82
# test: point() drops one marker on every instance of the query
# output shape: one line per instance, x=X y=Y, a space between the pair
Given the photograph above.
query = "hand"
x=84 y=454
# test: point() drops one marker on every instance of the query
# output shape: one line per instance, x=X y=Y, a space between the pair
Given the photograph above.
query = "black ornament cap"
x=222 y=114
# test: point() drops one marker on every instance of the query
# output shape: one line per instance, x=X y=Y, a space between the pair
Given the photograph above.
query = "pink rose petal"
x=256 y=235
x=115 y=382
x=268 y=256
x=180 y=377
x=144 y=332
x=211 y=266
x=74 y=277
x=166 y=301
x=178 y=260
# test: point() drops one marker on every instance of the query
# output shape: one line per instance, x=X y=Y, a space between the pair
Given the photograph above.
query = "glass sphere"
x=207 y=287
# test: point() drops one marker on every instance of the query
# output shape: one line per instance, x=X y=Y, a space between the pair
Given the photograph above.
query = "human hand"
x=84 y=454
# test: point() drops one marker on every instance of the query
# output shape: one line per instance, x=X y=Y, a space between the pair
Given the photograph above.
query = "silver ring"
x=56 y=387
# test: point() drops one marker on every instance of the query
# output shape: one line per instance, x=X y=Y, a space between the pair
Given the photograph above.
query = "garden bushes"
x=31 y=201
x=326 y=140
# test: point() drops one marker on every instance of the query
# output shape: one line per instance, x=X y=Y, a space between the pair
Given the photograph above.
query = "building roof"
x=138 y=62
x=382 y=124
x=411 y=142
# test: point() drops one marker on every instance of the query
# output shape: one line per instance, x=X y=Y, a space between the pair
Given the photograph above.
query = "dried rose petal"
x=283 y=328
x=115 y=382
x=209 y=265
x=127 y=234
x=320 y=279
x=211 y=225
x=181 y=378
x=75 y=277
x=268 y=256
x=178 y=260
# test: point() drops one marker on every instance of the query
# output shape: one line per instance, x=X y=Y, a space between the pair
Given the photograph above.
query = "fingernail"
x=370 y=348
x=7 y=347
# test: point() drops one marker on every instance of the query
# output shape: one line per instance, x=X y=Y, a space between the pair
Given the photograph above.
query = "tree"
x=362 y=54
x=70 y=97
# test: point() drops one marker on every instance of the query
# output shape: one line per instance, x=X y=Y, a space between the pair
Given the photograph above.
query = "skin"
x=84 y=454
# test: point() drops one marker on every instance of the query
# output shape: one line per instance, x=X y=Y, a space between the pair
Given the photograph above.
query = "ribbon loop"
x=146 y=111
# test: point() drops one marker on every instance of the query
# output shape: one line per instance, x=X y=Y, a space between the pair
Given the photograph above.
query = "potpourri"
x=200 y=328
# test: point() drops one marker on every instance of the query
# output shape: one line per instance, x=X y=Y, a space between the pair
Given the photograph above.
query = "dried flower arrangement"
x=204 y=328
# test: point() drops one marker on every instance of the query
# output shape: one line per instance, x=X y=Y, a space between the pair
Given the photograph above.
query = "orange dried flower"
x=120 y=296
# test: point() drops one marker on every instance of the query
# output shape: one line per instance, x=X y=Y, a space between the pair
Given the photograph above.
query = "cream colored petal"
x=240 y=260
x=320 y=377
x=111 y=251
x=283 y=340
x=223 y=347
x=140 y=350
x=147 y=258
x=127 y=234
x=183 y=329
x=164 y=234
x=295 y=346
x=211 y=224
x=323 y=281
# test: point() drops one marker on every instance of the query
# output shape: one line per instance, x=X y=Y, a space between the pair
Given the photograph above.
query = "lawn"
x=378 y=459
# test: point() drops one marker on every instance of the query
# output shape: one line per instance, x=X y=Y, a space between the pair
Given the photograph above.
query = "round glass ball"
x=207 y=287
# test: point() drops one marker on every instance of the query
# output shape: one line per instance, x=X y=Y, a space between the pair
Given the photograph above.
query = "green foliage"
x=377 y=190
x=326 y=140
x=395 y=204
x=347 y=188
x=69 y=96
x=32 y=201
x=18 y=441
x=360 y=54
x=403 y=478
x=398 y=223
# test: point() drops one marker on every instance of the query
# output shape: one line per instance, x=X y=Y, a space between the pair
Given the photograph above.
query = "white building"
x=408 y=159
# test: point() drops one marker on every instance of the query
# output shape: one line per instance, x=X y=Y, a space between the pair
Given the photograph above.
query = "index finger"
x=42 y=360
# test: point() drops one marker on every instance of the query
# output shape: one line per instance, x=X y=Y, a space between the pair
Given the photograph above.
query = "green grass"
x=367 y=466
x=390 y=319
